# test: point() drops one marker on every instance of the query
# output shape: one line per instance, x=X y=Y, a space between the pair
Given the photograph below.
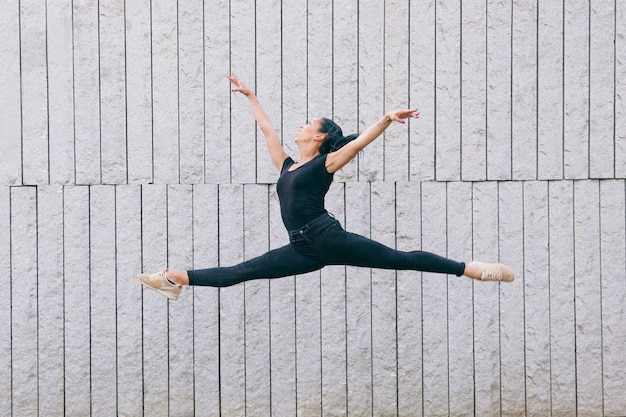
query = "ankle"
x=177 y=277
x=472 y=271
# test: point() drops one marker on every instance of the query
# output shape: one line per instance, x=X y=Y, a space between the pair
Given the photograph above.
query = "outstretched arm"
x=336 y=160
x=274 y=146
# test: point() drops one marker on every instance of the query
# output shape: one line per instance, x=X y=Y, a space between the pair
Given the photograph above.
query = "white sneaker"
x=494 y=272
x=159 y=282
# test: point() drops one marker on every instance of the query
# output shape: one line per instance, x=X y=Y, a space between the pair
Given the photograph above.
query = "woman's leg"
x=277 y=263
x=340 y=247
x=352 y=249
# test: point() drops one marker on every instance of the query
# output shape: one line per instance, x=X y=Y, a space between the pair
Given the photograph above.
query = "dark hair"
x=334 y=136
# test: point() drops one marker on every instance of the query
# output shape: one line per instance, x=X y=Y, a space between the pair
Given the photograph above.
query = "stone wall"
x=123 y=150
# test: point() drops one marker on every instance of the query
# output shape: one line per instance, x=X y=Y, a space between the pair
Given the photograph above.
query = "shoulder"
x=322 y=161
x=335 y=161
x=286 y=164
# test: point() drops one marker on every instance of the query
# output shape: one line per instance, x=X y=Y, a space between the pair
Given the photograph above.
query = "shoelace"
x=491 y=275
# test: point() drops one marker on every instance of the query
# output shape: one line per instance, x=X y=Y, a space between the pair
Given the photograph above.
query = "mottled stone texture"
x=122 y=150
x=343 y=338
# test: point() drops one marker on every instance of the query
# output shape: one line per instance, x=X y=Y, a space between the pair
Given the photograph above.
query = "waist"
x=317 y=222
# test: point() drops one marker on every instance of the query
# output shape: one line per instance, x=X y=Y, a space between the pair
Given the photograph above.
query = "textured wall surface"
x=123 y=150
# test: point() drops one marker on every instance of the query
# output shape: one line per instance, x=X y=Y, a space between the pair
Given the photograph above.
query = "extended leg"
x=352 y=249
x=281 y=262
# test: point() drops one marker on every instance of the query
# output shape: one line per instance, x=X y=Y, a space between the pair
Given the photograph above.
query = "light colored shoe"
x=158 y=282
x=494 y=272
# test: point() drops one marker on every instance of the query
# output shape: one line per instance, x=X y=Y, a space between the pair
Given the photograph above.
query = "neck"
x=308 y=153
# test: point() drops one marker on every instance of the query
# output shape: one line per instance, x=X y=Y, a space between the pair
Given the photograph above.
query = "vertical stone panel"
x=435 y=363
x=345 y=75
x=358 y=307
x=257 y=312
x=294 y=70
x=384 y=292
x=612 y=261
x=588 y=312
x=165 y=94
x=87 y=135
x=333 y=321
x=308 y=344
x=191 y=91
x=576 y=89
x=268 y=73
x=205 y=303
x=282 y=324
x=371 y=84
x=486 y=301
x=422 y=35
x=550 y=91
x=371 y=59
x=320 y=59
x=34 y=90
x=10 y=99
x=138 y=60
x=447 y=91
x=76 y=299
x=473 y=86
x=242 y=55
x=499 y=101
x=180 y=257
x=620 y=91
x=5 y=302
x=396 y=83
x=155 y=318
x=24 y=306
x=460 y=301
x=602 y=132
x=112 y=91
x=50 y=299
x=536 y=297
x=129 y=309
x=511 y=243
x=103 y=309
x=60 y=92
x=409 y=302
x=216 y=92
x=232 y=309
x=562 y=326
x=308 y=340
x=524 y=91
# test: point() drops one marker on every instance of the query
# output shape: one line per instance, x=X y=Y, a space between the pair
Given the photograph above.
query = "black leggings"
x=323 y=242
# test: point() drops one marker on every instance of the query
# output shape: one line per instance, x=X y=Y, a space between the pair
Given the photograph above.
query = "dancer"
x=316 y=239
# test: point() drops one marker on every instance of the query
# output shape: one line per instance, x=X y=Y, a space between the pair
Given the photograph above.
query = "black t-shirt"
x=301 y=192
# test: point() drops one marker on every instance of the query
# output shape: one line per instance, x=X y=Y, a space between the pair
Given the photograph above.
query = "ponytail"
x=334 y=136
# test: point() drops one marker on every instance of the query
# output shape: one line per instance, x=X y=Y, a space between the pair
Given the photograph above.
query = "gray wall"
x=123 y=150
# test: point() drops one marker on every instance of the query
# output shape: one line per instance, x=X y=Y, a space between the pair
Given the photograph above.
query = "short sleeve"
x=288 y=162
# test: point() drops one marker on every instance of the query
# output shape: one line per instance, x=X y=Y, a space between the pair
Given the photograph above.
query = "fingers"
x=413 y=113
x=240 y=87
x=233 y=78
x=400 y=115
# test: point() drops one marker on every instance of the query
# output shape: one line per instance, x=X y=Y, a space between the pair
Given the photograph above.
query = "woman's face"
x=309 y=130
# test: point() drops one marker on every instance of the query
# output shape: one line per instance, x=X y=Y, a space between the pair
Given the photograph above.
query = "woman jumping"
x=316 y=239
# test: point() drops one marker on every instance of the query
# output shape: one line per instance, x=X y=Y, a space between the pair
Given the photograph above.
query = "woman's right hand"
x=240 y=87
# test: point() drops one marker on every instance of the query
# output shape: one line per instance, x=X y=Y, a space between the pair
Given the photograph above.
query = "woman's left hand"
x=400 y=115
